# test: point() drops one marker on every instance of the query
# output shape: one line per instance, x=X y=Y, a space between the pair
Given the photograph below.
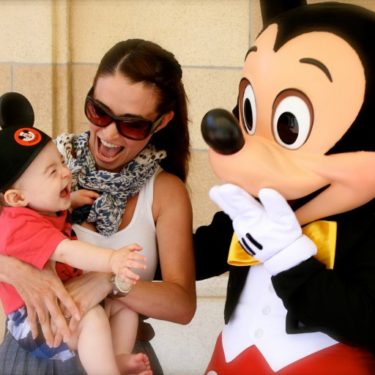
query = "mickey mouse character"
x=300 y=170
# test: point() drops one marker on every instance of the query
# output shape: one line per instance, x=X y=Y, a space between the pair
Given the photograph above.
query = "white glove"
x=264 y=229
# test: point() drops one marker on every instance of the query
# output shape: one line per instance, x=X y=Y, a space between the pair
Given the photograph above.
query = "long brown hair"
x=144 y=61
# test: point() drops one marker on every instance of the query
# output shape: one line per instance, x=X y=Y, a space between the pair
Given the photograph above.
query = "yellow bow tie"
x=322 y=233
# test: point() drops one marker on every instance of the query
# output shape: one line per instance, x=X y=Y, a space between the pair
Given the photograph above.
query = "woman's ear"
x=14 y=198
x=166 y=118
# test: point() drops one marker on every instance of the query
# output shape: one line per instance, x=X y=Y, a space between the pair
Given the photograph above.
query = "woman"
x=137 y=138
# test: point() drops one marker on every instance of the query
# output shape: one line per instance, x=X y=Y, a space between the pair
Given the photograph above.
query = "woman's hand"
x=44 y=294
x=88 y=291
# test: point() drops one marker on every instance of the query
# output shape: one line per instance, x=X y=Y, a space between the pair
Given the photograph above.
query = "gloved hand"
x=264 y=228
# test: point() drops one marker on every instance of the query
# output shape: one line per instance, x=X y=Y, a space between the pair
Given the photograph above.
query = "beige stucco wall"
x=49 y=50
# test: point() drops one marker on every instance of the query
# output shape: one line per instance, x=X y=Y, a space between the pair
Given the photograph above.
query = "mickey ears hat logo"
x=20 y=142
x=27 y=136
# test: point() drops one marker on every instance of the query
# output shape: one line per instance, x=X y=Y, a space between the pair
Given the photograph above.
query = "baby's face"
x=46 y=183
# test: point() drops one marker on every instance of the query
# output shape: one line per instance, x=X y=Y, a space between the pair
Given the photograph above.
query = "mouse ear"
x=15 y=110
x=272 y=8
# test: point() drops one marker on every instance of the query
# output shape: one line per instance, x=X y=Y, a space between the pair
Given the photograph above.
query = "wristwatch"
x=120 y=287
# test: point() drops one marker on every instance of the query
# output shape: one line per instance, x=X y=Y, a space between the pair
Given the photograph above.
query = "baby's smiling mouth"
x=65 y=192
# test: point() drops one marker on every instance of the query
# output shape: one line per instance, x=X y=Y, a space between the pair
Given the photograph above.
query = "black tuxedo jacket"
x=338 y=302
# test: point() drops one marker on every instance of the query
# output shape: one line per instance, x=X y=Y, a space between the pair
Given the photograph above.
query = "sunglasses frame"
x=122 y=119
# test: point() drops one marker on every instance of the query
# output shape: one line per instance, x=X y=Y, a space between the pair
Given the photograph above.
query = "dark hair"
x=144 y=61
x=356 y=25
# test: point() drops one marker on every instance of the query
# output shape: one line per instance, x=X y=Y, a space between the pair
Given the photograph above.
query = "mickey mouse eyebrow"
x=318 y=64
x=251 y=49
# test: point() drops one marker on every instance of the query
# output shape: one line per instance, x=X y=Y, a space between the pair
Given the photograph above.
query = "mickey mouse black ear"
x=15 y=110
x=272 y=8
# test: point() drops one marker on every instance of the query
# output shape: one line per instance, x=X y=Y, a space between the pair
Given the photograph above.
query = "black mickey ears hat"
x=20 y=142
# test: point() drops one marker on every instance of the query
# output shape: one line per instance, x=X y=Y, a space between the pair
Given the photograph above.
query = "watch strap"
x=120 y=287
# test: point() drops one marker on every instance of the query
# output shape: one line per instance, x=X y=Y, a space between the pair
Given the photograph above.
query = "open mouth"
x=108 y=150
x=65 y=193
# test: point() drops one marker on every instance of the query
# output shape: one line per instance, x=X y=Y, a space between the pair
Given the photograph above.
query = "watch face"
x=122 y=285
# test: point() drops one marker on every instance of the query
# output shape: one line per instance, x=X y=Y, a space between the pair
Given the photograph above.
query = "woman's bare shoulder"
x=168 y=189
x=168 y=182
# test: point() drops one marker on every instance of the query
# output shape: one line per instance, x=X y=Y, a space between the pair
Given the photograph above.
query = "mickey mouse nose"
x=221 y=131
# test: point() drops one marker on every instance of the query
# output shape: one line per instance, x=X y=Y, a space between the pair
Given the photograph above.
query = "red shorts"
x=339 y=359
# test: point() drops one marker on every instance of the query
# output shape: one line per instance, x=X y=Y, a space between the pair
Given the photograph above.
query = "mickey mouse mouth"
x=297 y=203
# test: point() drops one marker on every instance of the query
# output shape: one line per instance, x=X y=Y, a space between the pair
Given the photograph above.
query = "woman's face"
x=110 y=149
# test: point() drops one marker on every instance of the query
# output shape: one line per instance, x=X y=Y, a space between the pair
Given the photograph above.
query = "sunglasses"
x=132 y=127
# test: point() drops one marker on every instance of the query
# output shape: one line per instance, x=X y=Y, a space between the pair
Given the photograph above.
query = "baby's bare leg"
x=124 y=325
x=94 y=343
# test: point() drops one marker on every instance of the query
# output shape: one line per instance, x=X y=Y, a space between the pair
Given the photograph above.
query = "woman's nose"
x=221 y=131
x=110 y=131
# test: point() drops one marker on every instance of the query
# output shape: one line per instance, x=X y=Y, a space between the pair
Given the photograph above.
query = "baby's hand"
x=125 y=258
x=83 y=197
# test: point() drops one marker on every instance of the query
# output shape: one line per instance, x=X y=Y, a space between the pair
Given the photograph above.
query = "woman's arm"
x=174 y=298
x=43 y=293
x=89 y=289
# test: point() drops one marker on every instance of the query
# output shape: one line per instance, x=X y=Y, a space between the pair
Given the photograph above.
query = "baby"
x=35 y=196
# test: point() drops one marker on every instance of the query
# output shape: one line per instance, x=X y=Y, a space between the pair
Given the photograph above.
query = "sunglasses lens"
x=137 y=129
x=96 y=115
x=128 y=126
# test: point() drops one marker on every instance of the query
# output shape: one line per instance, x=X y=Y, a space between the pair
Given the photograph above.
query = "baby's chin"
x=64 y=204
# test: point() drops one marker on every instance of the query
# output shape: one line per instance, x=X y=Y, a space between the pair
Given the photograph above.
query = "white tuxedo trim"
x=259 y=319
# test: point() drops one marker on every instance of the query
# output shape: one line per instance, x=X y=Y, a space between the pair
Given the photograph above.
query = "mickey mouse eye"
x=292 y=119
x=248 y=109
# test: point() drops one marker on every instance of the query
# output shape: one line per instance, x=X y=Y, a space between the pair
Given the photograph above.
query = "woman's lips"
x=108 y=150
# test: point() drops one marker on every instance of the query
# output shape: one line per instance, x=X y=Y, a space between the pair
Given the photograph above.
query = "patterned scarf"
x=115 y=188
